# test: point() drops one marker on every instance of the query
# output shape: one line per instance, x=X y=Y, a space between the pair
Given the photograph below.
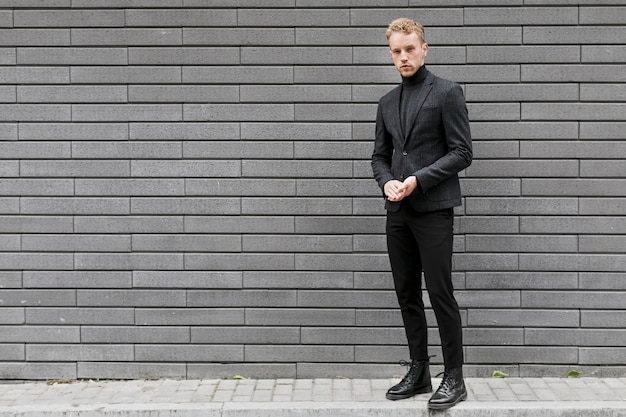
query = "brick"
x=72 y=56
x=495 y=149
x=36 y=112
x=188 y=353
x=353 y=336
x=186 y=243
x=125 y=75
x=602 y=244
x=522 y=54
x=493 y=337
x=74 y=168
x=140 y=335
x=73 y=131
x=236 y=262
x=522 y=280
x=245 y=335
x=12 y=352
x=239 y=149
x=333 y=150
x=129 y=187
x=181 y=17
x=8 y=94
x=334 y=112
x=347 y=299
x=296 y=168
x=38 y=298
x=490 y=187
x=293 y=279
x=517 y=354
x=34 y=150
x=8 y=131
x=71 y=94
x=602 y=15
x=600 y=262
x=238 y=112
x=603 y=319
x=82 y=243
x=76 y=279
x=127 y=37
x=12 y=315
x=186 y=279
x=525 y=243
x=188 y=131
x=38 y=371
x=300 y=317
x=609 y=356
x=523 y=318
x=66 y=18
x=127 y=112
x=300 y=353
x=574 y=187
x=244 y=75
x=238 y=36
x=567 y=149
x=8 y=56
x=523 y=168
x=198 y=168
x=485 y=262
x=293 y=17
x=241 y=298
x=578 y=225
x=11 y=279
x=125 y=150
x=320 y=55
x=36 y=224
x=59 y=206
x=345 y=75
x=34 y=37
x=40 y=334
x=605 y=53
x=183 y=93
x=134 y=298
x=574 y=337
x=188 y=317
x=183 y=56
x=599 y=206
x=602 y=281
x=565 y=299
x=9 y=169
x=296 y=131
x=298 y=206
x=521 y=92
x=521 y=16
x=576 y=73
x=123 y=261
x=189 y=206
x=381 y=17
x=334 y=224
x=296 y=243
x=342 y=262
x=73 y=353
x=575 y=35
x=125 y=370
x=295 y=93
x=599 y=168
x=494 y=112
x=605 y=92
x=524 y=130
x=239 y=224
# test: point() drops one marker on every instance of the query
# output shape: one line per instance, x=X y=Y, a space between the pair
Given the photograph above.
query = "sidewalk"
x=488 y=397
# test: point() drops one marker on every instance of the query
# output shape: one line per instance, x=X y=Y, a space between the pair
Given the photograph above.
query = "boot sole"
x=424 y=390
x=445 y=406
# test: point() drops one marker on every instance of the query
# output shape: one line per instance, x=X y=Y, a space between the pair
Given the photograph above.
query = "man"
x=422 y=141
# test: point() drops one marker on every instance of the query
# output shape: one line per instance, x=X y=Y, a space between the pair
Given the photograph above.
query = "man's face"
x=408 y=52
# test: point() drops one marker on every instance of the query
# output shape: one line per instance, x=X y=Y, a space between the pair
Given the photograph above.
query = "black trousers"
x=422 y=242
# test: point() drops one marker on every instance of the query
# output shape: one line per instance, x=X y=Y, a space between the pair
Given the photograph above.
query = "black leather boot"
x=416 y=381
x=451 y=391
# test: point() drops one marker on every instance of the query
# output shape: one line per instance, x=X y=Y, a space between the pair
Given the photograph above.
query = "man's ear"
x=425 y=48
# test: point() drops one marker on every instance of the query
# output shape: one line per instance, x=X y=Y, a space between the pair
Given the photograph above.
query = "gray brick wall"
x=185 y=187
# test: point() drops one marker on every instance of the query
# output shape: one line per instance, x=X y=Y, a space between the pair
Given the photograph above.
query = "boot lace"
x=446 y=383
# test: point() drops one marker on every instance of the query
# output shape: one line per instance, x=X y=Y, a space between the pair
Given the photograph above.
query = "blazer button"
x=405 y=153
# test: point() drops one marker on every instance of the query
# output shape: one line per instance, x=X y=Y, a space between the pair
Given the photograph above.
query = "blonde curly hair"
x=406 y=26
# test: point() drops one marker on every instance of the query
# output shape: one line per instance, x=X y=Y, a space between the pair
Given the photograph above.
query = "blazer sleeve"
x=383 y=151
x=458 y=138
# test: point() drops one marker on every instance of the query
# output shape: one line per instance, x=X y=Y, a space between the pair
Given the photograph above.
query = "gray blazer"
x=434 y=150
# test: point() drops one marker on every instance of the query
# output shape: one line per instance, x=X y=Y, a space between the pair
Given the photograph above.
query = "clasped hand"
x=398 y=190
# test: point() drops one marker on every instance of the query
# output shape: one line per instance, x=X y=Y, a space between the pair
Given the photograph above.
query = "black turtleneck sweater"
x=408 y=97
